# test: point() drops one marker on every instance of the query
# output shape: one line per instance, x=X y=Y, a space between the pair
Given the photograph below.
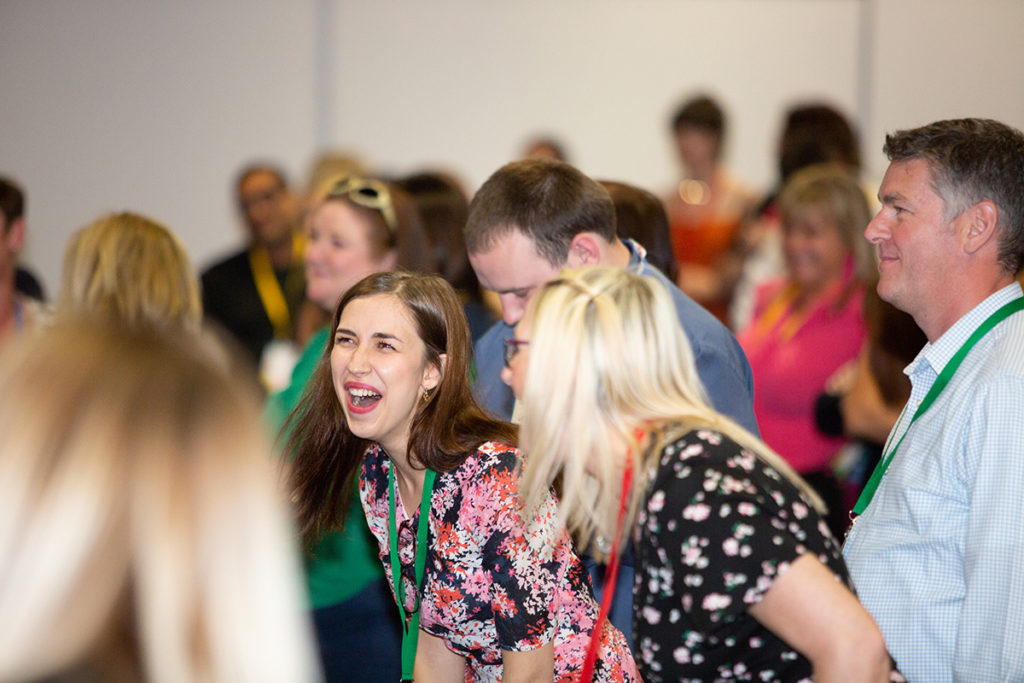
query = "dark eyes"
x=345 y=340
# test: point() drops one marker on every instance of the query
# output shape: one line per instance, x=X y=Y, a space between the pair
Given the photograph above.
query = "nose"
x=511 y=308
x=359 y=361
x=877 y=230
x=312 y=252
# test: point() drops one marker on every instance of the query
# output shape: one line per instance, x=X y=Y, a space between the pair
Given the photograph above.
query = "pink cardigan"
x=790 y=374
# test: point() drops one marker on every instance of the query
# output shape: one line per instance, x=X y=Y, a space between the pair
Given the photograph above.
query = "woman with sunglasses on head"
x=737 y=575
x=358 y=226
x=484 y=593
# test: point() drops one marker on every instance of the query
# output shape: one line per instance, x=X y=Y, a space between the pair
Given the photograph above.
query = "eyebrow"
x=890 y=198
x=375 y=335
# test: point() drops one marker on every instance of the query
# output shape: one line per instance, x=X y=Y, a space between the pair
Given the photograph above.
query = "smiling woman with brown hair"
x=485 y=593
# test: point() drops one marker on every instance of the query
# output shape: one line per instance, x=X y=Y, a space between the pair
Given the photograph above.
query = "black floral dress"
x=718 y=526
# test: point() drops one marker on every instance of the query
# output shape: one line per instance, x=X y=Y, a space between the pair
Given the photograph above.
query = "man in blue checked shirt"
x=937 y=553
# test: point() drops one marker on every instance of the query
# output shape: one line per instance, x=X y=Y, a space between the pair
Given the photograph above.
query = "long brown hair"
x=448 y=426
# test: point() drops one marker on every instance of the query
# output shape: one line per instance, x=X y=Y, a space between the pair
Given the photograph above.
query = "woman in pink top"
x=809 y=323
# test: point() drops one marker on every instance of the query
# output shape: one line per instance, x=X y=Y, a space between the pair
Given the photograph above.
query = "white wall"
x=940 y=59
x=474 y=79
x=109 y=105
x=136 y=104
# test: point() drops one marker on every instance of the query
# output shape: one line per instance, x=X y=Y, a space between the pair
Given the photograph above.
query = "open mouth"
x=362 y=398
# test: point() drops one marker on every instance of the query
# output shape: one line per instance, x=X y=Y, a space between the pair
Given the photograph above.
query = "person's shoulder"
x=699 y=441
x=493 y=338
x=493 y=455
x=1005 y=359
x=228 y=265
x=705 y=331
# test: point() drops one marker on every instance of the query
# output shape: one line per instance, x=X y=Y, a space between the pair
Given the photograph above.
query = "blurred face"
x=916 y=245
x=339 y=252
x=517 y=356
x=513 y=269
x=814 y=249
x=697 y=147
x=267 y=207
x=10 y=245
x=380 y=371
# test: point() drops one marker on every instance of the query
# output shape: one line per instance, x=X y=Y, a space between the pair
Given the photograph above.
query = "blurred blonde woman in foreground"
x=142 y=534
x=737 y=575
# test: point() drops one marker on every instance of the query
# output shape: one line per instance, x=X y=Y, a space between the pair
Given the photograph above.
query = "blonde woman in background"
x=809 y=322
x=131 y=268
x=736 y=573
x=143 y=536
x=359 y=226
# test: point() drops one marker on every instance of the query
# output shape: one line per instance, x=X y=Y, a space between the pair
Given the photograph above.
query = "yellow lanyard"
x=269 y=289
x=780 y=311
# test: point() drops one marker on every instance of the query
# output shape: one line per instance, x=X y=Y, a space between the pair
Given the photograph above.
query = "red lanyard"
x=609 y=578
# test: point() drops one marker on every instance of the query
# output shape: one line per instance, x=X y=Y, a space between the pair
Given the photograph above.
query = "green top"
x=345 y=561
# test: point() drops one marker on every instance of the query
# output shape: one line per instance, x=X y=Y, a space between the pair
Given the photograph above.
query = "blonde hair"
x=835 y=190
x=143 y=534
x=608 y=356
x=131 y=269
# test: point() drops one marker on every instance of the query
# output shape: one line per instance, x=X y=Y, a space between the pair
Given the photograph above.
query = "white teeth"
x=362 y=392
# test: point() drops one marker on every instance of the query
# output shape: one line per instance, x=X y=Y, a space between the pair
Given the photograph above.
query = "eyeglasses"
x=512 y=348
x=373 y=194
x=407 y=558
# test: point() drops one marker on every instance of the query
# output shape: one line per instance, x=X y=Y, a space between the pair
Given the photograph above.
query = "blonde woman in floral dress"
x=737 y=575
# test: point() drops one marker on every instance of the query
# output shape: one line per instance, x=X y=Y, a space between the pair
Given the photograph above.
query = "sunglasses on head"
x=373 y=194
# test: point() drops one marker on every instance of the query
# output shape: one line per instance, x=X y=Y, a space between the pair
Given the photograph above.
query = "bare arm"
x=865 y=413
x=435 y=663
x=817 y=615
x=529 y=666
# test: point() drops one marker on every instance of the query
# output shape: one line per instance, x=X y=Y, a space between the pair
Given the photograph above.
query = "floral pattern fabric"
x=493 y=582
x=718 y=527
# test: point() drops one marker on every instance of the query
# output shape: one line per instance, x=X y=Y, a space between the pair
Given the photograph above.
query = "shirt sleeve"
x=990 y=636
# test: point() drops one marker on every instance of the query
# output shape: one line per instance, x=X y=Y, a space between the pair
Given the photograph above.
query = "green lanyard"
x=410 y=623
x=941 y=381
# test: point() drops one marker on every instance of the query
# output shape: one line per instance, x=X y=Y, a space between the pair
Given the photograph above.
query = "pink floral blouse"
x=491 y=584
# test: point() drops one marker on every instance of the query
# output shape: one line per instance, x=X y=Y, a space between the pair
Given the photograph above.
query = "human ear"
x=16 y=235
x=980 y=226
x=583 y=251
x=389 y=260
x=434 y=372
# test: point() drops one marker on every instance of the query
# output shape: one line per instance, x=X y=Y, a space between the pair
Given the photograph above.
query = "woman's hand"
x=435 y=663
x=818 y=615
x=529 y=666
